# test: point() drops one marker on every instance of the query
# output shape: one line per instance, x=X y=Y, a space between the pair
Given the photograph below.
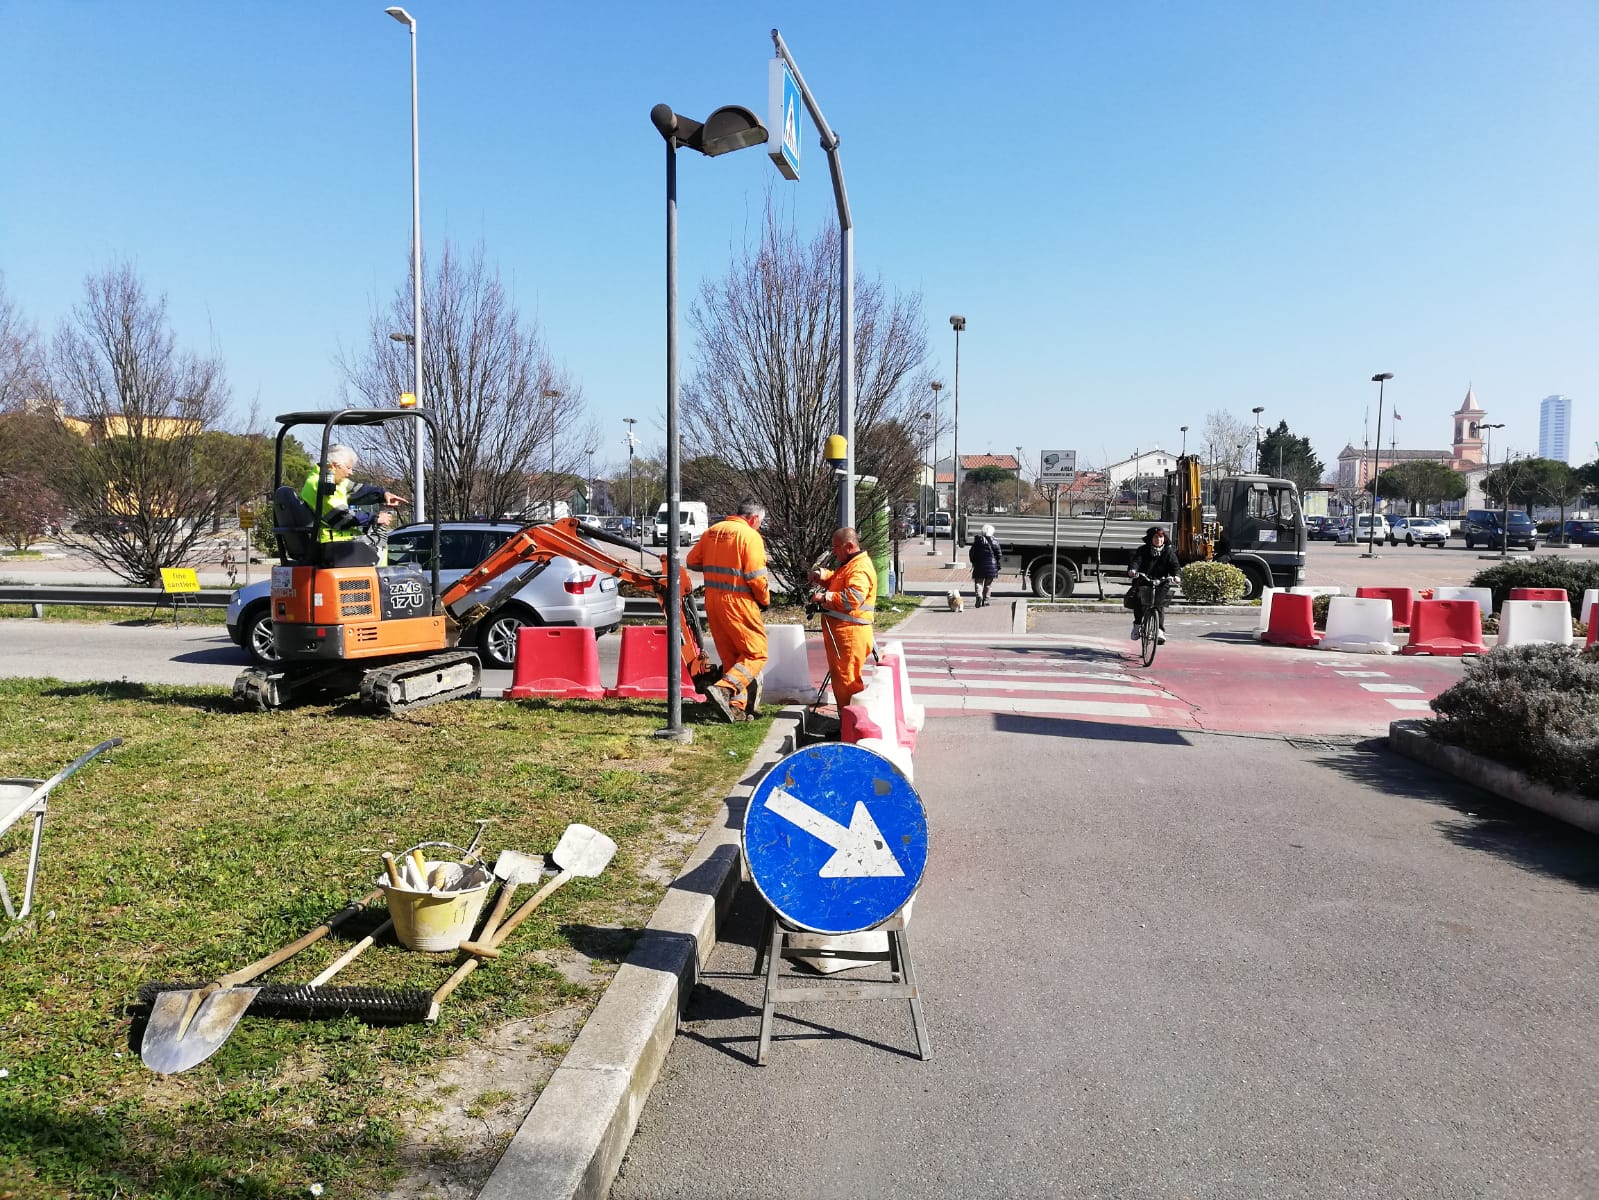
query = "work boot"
x=721 y=700
x=752 y=700
x=1136 y=633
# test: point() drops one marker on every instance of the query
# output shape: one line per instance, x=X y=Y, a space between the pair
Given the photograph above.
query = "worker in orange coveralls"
x=847 y=597
x=732 y=558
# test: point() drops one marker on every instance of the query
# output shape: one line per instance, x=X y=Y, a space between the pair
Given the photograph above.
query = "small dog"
x=957 y=602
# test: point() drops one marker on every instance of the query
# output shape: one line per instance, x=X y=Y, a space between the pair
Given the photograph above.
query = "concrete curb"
x=572 y=1142
x=1410 y=738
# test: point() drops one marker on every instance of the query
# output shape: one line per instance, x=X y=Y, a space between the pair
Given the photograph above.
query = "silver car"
x=564 y=593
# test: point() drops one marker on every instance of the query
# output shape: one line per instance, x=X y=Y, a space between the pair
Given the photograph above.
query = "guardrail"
x=638 y=607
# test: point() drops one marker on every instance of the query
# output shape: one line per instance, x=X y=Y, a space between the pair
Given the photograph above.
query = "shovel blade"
x=512 y=866
x=169 y=1048
x=583 y=850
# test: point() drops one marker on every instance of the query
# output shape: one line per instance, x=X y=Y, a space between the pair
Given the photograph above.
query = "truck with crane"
x=1259 y=528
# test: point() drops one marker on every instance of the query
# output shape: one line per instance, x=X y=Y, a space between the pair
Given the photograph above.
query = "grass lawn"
x=212 y=837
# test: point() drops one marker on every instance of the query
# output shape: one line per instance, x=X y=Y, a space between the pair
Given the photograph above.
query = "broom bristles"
x=301 y=1002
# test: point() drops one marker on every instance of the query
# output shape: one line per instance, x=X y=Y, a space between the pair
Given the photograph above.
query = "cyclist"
x=1156 y=560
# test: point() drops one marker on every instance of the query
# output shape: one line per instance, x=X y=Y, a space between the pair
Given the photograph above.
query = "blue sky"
x=1145 y=211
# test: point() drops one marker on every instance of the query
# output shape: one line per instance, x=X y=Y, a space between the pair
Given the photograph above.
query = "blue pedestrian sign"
x=783 y=119
x=836 y=839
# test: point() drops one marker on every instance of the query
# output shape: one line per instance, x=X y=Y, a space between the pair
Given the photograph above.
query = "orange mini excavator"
x=341 y=624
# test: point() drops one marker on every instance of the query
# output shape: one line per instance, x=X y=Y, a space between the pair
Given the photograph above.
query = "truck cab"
x=1260 y=528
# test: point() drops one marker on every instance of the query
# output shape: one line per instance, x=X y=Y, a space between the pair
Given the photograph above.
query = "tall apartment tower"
x=1554 y=428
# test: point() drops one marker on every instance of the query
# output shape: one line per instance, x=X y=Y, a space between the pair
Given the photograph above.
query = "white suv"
x=1364 y=528
x=564 y=593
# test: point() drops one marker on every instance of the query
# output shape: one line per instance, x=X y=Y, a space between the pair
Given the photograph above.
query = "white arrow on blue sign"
x=783 y=119
x=836 y=839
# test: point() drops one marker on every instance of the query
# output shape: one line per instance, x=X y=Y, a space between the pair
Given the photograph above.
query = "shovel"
x=513 y=868
x=187 y=1026
x=581 y=851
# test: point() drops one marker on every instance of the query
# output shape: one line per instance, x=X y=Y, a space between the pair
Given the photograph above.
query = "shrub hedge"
x=1213 y=583
x=1575 y=577
x=1534 y=707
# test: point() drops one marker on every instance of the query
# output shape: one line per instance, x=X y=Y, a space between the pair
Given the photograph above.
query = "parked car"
x=1482 y=526
x=1581 y=533
x=564 y=593
x=1321 y=529
x=1364 y=528
x=1418 y=531
x=621 y=525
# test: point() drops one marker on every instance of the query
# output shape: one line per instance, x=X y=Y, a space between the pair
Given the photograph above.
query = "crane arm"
x=530 y=550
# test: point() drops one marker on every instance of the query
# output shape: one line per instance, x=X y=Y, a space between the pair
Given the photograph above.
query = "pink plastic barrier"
x=560 y=662
x=1445 y=627
x=1292 y=622
x=641 y=665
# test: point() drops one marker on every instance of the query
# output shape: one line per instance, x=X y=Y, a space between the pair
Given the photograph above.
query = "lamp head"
x=400 y=15
x=1382 y=378
x=731 y=127
x=957 y=322
x=835 y=450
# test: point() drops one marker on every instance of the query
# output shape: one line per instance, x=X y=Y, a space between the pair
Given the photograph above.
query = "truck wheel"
x=1063 y=577
x=1258 y=580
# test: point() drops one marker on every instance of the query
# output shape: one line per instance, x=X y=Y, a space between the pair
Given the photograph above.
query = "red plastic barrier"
x=641 y=665
x=1445 y=627
x=898 y=674
x=1593 y=628
x=1400 y=597
x=1539 y=594
x=1292 y=621
x=855 y=723
x=559 y=662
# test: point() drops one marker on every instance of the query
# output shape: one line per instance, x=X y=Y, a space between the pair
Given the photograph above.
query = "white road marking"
x=1412 y=705
x=1391 y=687
x=1086 y=708
x=1017 y=685
x=1365 y=674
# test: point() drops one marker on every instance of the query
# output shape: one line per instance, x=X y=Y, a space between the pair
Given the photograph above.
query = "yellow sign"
x=246 y=517
x=179 y=579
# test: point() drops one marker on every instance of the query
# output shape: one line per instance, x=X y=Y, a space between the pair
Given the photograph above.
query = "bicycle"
x=1153 y=595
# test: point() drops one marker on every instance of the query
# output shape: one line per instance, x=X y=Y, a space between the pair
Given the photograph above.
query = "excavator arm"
x=530 y=550
x=1183 y=493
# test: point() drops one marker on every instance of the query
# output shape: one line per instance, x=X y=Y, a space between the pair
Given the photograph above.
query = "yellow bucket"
x=443 y=918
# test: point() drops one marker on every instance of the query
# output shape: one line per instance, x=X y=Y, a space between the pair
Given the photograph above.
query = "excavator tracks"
x=406 y=686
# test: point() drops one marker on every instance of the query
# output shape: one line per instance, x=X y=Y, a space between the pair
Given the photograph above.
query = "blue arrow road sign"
x=836 y=839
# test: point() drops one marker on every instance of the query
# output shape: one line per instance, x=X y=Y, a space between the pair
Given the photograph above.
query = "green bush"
x=1535 y=707
x=1213 y=583
x=1575 y=577
x=1318 y=611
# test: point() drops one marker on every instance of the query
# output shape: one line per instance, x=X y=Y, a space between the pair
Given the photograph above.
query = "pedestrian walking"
x=985 y=556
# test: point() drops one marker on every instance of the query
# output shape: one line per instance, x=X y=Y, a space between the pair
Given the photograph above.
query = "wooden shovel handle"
x=500 y=934
x=245 y=974
x=350 y=955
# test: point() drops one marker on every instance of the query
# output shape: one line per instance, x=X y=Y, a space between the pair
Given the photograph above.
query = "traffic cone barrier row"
x=1292 y=621
x=641 y=669
x=561 y=662
x=1400 y=598
x=1445 y=628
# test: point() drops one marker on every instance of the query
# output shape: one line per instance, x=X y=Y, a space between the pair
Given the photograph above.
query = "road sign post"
x=835 y=840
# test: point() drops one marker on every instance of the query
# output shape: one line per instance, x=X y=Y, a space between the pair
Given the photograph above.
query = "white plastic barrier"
x=899 y=755
x=1360 y=625
x=1523 y=621
x=1483 y=596
x=1589 y=599
x=909 y=715
x=1316 y=590
x=787 y=678
x=1265 y=609
x=874 y=706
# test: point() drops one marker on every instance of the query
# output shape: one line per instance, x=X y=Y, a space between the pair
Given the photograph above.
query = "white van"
x=939 y=523
x=693 y=519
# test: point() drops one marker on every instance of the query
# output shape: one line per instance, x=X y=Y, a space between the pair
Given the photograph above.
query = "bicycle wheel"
x=1151 y=634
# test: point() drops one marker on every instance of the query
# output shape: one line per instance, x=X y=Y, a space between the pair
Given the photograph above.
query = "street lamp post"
x=552 y=395
x=1371 y=530
x=1257 y=410
x=418 y=505
x=729 y=128
x=1018 y=479
x=1184 y=430
x=632 y=513
x=958 y=324
x=1504 y=519
x=590 y=499
x=937 y=387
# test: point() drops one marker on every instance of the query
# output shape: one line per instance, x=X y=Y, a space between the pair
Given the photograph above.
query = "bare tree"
x=1229 y=444
x=140 y=482
x=510 y=422
x=21 y=357
x=764 y=396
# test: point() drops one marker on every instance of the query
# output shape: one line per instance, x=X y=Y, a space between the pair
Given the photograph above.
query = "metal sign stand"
x=779 y=940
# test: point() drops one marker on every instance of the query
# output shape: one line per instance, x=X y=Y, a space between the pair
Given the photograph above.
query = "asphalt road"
x=1160 y=963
